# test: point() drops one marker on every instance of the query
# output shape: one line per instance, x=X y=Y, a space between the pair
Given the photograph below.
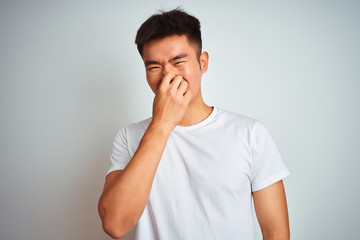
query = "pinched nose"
x=169 y=69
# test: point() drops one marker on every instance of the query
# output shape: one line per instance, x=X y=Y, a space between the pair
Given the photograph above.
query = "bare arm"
x=271 y=211
x=127 y=191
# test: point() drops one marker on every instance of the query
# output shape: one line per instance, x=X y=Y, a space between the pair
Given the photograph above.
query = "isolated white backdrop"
x=71 y=76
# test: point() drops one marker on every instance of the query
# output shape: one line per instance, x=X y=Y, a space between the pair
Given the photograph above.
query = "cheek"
x=187 y=74
x=192 y=75
x=153 y=81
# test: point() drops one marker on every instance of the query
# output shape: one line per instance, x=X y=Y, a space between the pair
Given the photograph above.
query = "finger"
x=165 y=82
x=176 y=82
x=187 y=96
x=183 y=87
x=167 y=78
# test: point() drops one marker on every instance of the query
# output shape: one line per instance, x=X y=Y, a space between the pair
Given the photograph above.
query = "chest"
x=204 y=165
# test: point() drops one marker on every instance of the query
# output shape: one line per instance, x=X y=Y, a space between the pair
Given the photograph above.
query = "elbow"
x=115 y=232
x=116 y=228
x=110 y=228
x=115 y=225
x=115 y=235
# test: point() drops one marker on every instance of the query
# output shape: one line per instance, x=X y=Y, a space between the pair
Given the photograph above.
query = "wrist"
x=161 y=129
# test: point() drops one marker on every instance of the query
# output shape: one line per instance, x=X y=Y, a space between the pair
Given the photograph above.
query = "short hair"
x=164 y=24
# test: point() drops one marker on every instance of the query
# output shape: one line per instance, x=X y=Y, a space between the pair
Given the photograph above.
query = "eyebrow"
x=183 y=55
x=149 y=62
x=177 y=57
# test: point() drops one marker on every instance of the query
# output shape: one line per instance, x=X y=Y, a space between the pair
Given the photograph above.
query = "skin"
x=176 y=58
x=272 y=213
x=173 y=71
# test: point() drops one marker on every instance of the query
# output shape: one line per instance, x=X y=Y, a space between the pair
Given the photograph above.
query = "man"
x=191 y=170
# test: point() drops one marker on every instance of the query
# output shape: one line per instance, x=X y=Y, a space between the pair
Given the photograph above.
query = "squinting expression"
x=174 y=54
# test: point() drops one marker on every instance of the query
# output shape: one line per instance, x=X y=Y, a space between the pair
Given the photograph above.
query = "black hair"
x=164 y=24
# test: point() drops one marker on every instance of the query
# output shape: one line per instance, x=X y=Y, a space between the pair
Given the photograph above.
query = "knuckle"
x=170 y=75
x=172 y=92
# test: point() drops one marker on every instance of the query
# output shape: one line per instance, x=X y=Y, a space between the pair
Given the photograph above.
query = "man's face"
x=174 y=54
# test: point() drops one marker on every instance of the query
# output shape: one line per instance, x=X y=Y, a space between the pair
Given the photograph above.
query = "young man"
x=190 y=171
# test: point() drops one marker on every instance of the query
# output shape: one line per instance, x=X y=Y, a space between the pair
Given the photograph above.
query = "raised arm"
x=271 y=211
x=127 y=191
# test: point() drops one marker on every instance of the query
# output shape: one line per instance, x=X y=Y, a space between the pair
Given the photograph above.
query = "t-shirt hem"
x=283 y=174
x=114 y=169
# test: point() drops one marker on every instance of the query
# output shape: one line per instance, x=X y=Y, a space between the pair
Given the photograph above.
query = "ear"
x=204 y=62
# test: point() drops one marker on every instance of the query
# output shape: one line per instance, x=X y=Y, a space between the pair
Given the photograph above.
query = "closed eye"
x=177 y=63
x=154 y=68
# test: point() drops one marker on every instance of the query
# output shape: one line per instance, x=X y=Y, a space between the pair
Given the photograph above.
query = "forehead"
x=168 y=47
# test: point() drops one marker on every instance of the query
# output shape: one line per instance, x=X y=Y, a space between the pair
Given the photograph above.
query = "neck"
x=196 y=112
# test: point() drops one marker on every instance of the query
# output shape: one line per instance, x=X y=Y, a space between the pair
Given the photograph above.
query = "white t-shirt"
x=204 y=182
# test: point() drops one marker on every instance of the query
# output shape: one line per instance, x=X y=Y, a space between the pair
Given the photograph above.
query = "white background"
x=71 y=76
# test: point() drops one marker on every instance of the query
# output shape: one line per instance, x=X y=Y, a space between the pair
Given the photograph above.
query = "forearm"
x=123 y=201
x=126 y=193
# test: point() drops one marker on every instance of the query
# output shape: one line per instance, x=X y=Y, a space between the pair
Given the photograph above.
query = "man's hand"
x=171 y=101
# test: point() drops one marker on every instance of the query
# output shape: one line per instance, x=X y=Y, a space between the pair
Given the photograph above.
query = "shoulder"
x=252 y=128
x=134 y=130
x=139 y=126
x=231 y=119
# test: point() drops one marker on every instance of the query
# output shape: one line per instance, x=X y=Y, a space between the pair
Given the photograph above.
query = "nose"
x=169 y=69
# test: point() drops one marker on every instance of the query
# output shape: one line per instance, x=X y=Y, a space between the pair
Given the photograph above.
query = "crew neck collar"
x=200 y=124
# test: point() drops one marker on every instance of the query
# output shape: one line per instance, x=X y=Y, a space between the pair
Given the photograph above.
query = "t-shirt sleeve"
x=120 y=155
x=267 y=166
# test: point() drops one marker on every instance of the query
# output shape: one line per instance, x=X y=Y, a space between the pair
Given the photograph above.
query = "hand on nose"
x=171 y=100
x=173 y=82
